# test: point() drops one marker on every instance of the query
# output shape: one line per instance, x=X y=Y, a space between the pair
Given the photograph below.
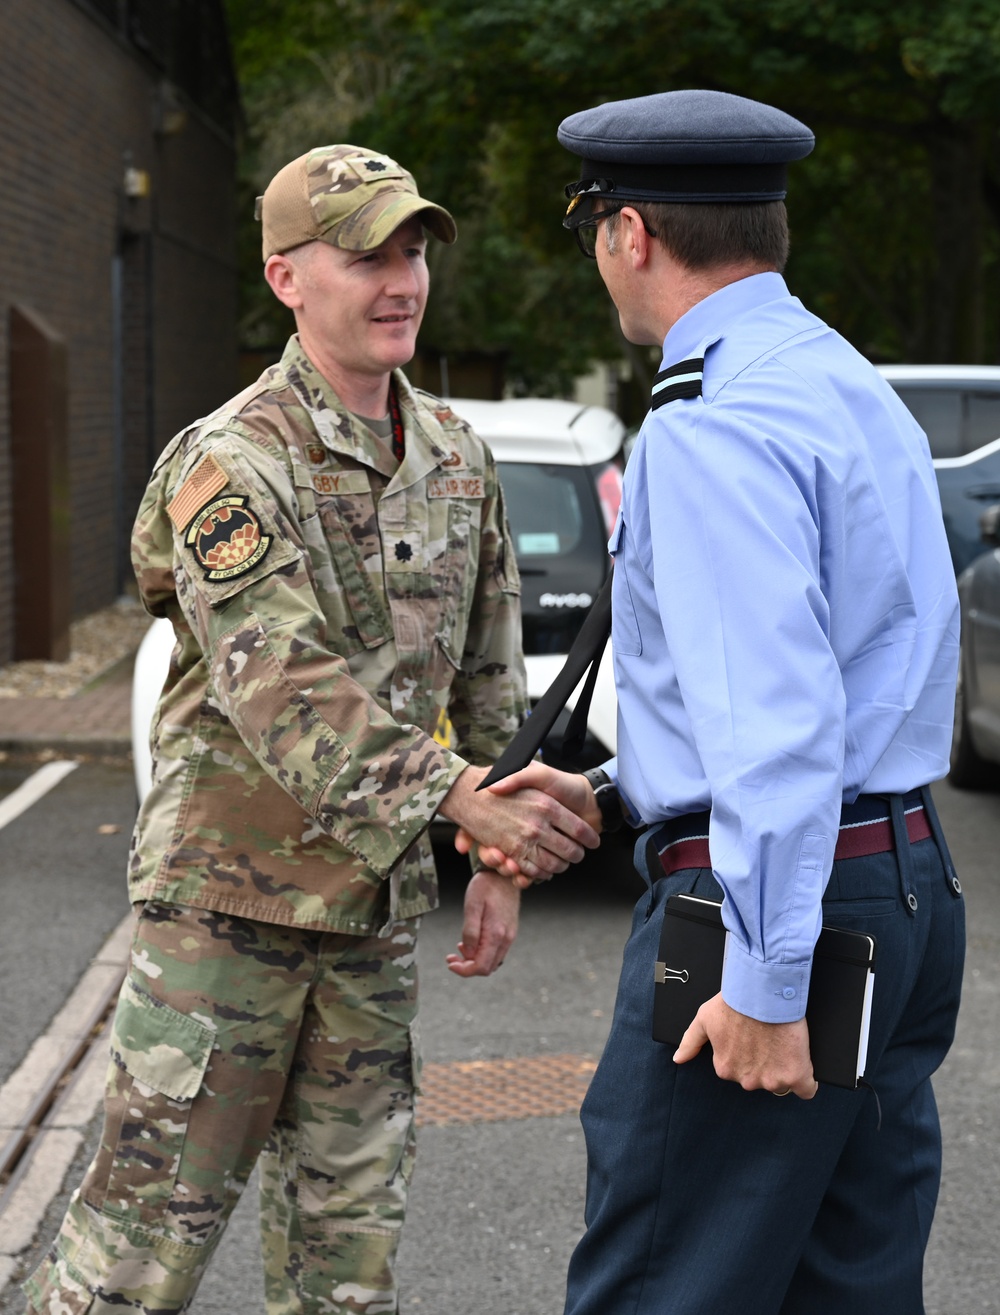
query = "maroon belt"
x=855 y=840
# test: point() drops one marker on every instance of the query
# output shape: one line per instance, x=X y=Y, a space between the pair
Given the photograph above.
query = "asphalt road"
x=496 y=1207
x=62 y=890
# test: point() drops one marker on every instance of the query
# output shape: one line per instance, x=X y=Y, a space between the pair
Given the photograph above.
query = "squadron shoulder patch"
x=205 y=481
x=677 y=381
x=226 y=538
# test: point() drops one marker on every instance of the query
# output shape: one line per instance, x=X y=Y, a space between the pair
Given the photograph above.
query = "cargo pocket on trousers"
x=158 y=1060
x=56 y=1286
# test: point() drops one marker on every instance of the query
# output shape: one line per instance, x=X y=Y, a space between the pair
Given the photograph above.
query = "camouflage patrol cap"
x=348 y=196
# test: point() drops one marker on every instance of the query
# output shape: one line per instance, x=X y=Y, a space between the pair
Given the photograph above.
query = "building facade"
x=118 y=282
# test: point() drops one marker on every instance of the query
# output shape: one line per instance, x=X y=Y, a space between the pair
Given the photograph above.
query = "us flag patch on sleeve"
x=205 y=481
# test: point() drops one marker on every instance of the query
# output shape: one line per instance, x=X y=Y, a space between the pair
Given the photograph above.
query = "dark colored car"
x=958 y=407
x=975 y=747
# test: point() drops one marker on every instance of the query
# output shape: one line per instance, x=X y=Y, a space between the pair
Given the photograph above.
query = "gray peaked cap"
x=686 y=146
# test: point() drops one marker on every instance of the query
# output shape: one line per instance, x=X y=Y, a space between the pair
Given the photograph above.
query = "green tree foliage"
x=895 y=216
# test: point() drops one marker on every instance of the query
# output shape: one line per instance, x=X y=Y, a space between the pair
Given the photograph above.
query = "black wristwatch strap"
x=609 y=801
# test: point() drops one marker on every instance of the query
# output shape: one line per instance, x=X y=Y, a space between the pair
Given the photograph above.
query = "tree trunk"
x=955 y=301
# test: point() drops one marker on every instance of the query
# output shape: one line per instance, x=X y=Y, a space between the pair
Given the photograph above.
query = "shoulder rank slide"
x=677 y=381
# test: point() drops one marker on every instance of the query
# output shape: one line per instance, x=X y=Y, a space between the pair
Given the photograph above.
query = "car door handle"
x=984 y=492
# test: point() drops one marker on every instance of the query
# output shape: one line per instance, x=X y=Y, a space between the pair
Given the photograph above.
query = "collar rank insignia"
x=226 y=538
x=677 y=381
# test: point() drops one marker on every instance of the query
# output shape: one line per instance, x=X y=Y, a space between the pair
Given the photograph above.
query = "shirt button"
x=789 y=992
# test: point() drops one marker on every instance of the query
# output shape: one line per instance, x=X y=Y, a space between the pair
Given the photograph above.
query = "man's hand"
x=532 y=831
x=570 y=789
x=769 y=1056
x=492 y=903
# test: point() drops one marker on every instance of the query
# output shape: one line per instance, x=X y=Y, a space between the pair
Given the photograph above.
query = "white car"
x=561 y=471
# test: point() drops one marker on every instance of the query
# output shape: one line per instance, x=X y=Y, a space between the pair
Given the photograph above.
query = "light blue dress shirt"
x=785 y=629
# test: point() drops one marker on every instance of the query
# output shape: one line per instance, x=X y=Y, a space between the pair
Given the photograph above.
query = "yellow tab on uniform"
x=455 y=486
x=207 y=479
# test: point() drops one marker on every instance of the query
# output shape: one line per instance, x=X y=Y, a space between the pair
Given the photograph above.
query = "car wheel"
x=967 y=769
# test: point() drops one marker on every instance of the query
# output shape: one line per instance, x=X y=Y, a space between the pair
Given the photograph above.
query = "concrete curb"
x=66 y=745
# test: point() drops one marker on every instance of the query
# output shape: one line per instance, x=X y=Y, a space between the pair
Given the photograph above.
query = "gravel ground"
x=97 y=643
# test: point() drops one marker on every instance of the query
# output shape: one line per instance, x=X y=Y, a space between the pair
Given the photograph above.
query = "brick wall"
x=74 y=99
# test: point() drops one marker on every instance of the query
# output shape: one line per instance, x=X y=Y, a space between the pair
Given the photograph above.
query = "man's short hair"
x=704 y=236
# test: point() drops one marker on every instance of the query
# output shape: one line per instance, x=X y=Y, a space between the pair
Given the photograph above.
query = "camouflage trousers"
x=235 y=1041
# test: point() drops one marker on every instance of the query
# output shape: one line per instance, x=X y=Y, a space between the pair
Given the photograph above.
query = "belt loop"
x=646 y=861
x=951 y=876
x=901 y=839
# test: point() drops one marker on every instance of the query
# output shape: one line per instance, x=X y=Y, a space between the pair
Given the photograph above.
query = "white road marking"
x=34 y=788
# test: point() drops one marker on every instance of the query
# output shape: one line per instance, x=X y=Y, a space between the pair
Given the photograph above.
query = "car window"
x=955 y=420
x=544 y=509
x=938 y=412
x=560 y=540
x=982 y=421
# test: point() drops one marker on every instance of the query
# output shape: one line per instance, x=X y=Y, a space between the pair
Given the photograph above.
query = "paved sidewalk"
x=79 y=708
x=92 y=722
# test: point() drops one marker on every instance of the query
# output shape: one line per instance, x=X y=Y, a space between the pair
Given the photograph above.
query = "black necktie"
x=586 y=651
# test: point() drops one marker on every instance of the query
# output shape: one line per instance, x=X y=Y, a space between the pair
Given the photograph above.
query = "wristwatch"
x=609 y=801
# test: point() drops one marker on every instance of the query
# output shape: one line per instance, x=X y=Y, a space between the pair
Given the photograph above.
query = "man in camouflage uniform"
x=331 y=547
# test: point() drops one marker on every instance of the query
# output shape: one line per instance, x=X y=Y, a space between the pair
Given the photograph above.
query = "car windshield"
x=544 y=506
x=560 y=538
x=956 y=420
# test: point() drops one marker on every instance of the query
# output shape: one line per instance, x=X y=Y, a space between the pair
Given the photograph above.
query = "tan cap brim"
x=373 y=223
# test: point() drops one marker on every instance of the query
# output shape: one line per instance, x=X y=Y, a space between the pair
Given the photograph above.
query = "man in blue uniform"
x=785 y=636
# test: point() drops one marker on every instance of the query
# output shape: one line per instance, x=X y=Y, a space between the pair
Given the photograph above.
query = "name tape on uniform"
x=331 y=482
x=455 y=486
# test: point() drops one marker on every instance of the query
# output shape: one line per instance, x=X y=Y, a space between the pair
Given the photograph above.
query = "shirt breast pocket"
x=453 y=563
x=350 y=541
x=626 y=638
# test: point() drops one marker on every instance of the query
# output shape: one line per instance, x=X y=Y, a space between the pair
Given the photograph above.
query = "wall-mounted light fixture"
x=136 y=184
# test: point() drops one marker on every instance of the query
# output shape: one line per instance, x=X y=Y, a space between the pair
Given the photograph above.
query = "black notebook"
x=689 y=972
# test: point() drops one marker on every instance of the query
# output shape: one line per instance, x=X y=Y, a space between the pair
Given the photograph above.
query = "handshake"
x=529 y=825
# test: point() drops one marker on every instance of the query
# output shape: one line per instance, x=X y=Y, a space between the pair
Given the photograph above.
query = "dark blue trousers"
x=705 y=1199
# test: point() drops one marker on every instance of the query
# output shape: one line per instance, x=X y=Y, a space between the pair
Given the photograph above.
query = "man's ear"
x=635 y=238
x=283 y=280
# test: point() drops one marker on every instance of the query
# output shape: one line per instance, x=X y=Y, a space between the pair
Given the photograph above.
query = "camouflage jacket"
x=330 y=612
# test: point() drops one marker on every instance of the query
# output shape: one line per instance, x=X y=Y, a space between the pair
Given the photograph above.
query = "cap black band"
x=689 y=183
